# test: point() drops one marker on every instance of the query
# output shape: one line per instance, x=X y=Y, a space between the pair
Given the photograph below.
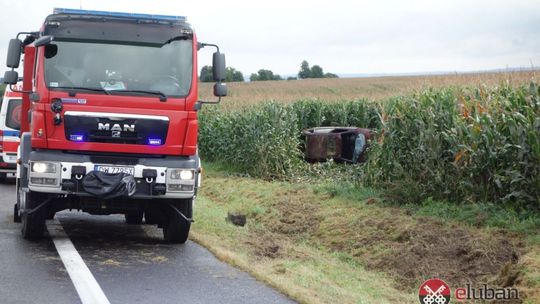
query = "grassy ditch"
x=322 y=243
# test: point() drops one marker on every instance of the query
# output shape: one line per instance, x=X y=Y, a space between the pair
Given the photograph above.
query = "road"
x=131 y=264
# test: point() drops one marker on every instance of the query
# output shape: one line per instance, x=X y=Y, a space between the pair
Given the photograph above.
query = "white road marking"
x=86 y=285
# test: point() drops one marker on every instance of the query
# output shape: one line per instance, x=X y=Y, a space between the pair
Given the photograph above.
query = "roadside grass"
x=305 y=271
x=531 y=274
x=487 y=216
x=524 y=221
x=332 y=242
x=482 y=214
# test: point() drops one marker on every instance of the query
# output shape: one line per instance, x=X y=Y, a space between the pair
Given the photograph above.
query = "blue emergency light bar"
x=118 y=14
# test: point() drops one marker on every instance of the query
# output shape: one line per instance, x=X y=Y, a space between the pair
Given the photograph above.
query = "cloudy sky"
x=344 y=37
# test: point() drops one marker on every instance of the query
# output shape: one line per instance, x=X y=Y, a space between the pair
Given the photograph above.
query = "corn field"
x=456 y=144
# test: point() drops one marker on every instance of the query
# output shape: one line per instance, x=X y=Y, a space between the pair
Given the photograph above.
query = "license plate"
x=115 y=169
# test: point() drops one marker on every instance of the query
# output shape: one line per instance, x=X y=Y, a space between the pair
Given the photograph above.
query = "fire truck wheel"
x=16 y=216
x=33 y=224
x=50 y=215
x=150 y=217
x=176 y=228
x=3 y=177
x=134 y=217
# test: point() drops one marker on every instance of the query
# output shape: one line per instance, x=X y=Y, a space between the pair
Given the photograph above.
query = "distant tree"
x=238 y=76
x=263 y=75
x=206 y=74
x=305 y=71
x=254 y=77
x=330 y=75
x=316 y=72
x=232 y=75
x=291 y=78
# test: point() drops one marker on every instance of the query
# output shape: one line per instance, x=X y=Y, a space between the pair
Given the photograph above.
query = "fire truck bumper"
x=68 y=173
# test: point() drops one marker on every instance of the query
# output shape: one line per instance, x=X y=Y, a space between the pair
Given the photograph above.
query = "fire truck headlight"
x=182 y=174
x=43 y=167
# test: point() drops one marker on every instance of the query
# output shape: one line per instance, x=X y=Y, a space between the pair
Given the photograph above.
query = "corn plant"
x=456 y=144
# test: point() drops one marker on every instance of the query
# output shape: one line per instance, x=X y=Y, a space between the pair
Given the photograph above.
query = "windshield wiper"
x=162 y=97
x=84 y=89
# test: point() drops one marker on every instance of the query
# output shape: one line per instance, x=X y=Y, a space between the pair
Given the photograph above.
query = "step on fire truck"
x=109 y=118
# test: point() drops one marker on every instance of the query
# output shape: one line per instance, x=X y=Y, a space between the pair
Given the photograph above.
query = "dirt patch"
x=265 y=245
x=293 y=213
x=415 y=250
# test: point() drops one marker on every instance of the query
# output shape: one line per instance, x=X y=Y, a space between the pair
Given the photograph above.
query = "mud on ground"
x=387 y=239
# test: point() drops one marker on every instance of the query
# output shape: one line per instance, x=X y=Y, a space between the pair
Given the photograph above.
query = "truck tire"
x=50 y=215
x=176 y=228
x=151 y=218
x=33 y=224
x=16 y=216
x=134 y=217
x=3 y=177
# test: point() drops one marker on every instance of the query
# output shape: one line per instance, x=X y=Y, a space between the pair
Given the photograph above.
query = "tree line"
x=233 y=75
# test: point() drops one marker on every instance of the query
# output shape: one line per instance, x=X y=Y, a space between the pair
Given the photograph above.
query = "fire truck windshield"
x=127 y=68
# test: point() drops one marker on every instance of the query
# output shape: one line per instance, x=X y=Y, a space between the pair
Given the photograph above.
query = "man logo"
x=116 y=127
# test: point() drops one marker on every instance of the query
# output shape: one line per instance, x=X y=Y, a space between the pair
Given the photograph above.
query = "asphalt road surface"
x=130 y=264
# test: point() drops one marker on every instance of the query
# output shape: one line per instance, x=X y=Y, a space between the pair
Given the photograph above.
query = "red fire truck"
x=109 y=118
x=10 y=124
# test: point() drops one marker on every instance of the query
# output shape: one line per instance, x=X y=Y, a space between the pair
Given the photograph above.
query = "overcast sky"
x=363 y=36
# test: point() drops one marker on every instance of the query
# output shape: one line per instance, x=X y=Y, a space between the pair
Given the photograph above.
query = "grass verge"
x=334 y=243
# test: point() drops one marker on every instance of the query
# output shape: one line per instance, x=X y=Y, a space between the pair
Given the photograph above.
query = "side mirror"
x=220 y=89
x=14 y=53
x=11 y=77
x=218 y=66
